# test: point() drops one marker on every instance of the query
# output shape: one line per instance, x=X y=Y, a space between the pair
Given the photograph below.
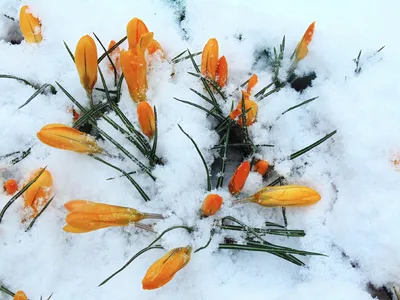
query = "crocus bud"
x=285 y=195
x=209 y=59
x=114 y=55
x=30 y=26
x=302 y=47
x=164 y=269
x=239 y=178
x=211 y=204
x=250 y=106
x=67 y=138
x=86 y=216
x=252 y=82
x=222 y=72
x=86 y=62
x=11 y=186
x=20 y=295
x=135 y=29
x=146 y=119
x=261 y=167
x=39 y=192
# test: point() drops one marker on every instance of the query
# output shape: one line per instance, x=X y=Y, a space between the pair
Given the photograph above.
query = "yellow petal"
x=287 y=195
x=39 y=190
x=209 y=58
x=86 y=62
x=30 y=26
x=146 y=118
x=302 y=47
x=135 y=29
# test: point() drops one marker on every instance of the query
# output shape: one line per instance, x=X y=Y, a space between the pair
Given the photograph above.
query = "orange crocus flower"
x=20 y=295
x=261 y=167
x=164 y=269
x=10 y=186
x=114 y=55
x=67 y=138
x=222 y=72
x=302 y=47
x=86 y=216
x=252 y=82
x=135 y=30
x=250 y=106
x=285 y=195
x=146 y=119
x=211 y=204
x=39 y=192
x=239 y=178
x=209 y=59
x=30 y=26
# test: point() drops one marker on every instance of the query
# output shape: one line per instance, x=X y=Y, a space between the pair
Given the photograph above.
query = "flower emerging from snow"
x=164 y=269
x=250 y=106
x=67 y=138
x=302 y=47
x=20 y=295
x=86 y=216
x=212 y=67
x=285 y=195
x=211 y=204
x=30 y=26
x=10 y=186
x=239 y=178
x=39 y=192
x=134 y=31
x=114 y=55
x=261 y=167
x=146 y=119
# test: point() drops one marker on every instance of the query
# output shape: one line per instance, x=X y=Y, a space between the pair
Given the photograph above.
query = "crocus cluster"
x=212 y=67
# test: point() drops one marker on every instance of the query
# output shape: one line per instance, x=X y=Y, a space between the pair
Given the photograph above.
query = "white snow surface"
x=355 y=223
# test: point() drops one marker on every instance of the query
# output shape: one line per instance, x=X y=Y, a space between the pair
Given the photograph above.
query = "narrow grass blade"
x=271 y=92
x=177 y=59
x=202 y=158
x=312 y=146
x=202 y=96
x=19 y=79
x=102 y=90
x=224 y=155
x=109 y=59
x=39 y=91
x=35 y=218
x=282 y=232
x=262 y=91
x=88 y=114
x=17 y=195
x=135 y=184
x=69 y=51
x=24 y=154
x=241 y=145
x=218 y=117
x=212 y=232
x=276 y=181
x=213 y=83
x=179 y=55
x=155 y=140
x=300 y=104
x=7 y=291
x=119 y=87
x=111 y=49
x=130 y=173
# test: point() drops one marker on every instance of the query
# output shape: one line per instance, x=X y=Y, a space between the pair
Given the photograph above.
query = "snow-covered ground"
x=355 y=223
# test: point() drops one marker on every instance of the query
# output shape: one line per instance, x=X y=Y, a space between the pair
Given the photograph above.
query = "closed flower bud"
x=20 y=295
x=302 y=47
x=239 y=178
x=164 y=269
x=86 y=62
x=135 y=29
x=250 y=106
x=222 y=72
x=30 y=26
x=285 y=195
x=209 y=59
x=261 y=167
x=211 y=204
x=146 y=119
x=67 y=138
x=252 y=82
x=86 y=216
x=39 y=192
x=114 y=55
x=11 y=186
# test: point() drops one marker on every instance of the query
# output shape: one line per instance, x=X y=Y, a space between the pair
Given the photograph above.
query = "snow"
x=354 y=224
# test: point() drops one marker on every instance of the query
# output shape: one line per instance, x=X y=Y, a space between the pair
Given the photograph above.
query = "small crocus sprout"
x=222 y=72
x=86 y=63
x=67 y=138
x=164 y=269
x=10 y=186
x=209 y=59
x=261 y=167
x=285 y=195
x=250 y=106
x=252 y=82
x=239 y=178
x=20 y=295
x=302 y=47
x=86 y=216
x=30 y=26
x=39 y=192
x=114 y=55
x=211 y=204
x=146 y=119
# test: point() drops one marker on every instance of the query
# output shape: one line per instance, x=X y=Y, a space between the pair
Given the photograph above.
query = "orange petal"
x=252 y=82
x=114 y=55
x=239 y=178
x=30 y=26
x=250 y=106
x=135 y=29
x=75 y=204
x=40 y=189
x=20 y=295
x=302 y=47
x=211 y=204
x=261 y=167
x=86 y=62
x=154 y=46
x=165 y=268
x=222 y=72
x=11 y=186
x=146 y=119
x=65 y=137
x=209 y=59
